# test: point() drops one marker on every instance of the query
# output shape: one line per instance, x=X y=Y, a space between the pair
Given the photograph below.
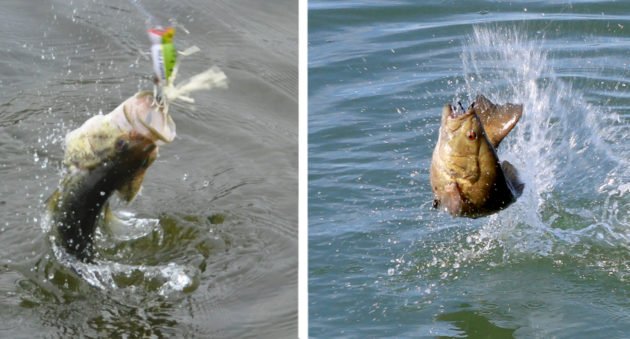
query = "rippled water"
x=211 y=245
x=381 y=261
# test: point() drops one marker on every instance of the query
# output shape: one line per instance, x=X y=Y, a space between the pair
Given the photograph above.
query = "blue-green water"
x=381 y=261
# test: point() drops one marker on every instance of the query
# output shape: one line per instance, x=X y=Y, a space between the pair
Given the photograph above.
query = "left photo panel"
x=149 y=169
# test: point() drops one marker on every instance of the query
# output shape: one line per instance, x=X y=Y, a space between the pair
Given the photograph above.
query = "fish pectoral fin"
x=497 y=120
x=107 y=213
x=129 y=190
x=436 y=203
x=511 y=175
x=454 y=201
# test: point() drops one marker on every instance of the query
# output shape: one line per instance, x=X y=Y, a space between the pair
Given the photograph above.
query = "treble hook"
x=460 y=106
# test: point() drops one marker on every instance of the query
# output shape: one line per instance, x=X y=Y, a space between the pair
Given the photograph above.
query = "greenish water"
x=210 y=249
x=381 y=261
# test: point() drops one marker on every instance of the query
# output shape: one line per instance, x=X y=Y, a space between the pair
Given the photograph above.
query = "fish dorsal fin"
x=497 y=120
x=511 y=175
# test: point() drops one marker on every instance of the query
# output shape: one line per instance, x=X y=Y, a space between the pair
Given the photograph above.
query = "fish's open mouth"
x=458 y=110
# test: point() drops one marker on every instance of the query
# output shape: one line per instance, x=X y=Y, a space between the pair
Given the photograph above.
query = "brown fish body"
x=466 y=176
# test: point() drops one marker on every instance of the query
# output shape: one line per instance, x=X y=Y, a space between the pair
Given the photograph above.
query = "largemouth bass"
x=111 y=153
x=467 y=177
x=108 y=153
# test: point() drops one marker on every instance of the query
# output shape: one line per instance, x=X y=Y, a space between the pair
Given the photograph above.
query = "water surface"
x=211 y=250
x=381 y=261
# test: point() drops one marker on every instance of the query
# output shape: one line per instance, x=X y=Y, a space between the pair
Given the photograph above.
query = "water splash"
x=168 y=280
x=125 y=225
x=575 y=181
x=165 y=280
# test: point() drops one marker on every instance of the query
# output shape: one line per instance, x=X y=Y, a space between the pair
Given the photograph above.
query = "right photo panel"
x=468 y=171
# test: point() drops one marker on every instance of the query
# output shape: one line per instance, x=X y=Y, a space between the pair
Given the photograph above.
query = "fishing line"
x=150 y=21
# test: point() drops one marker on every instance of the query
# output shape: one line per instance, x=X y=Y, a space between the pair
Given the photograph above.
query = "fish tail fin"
x=497 y=120
x=511 y=175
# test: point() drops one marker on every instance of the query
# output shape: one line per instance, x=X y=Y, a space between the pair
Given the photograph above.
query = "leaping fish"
x=111 y=153
x=467 y=177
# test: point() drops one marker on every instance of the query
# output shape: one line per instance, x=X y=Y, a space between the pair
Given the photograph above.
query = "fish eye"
x=121 y=145
x=472 y=135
